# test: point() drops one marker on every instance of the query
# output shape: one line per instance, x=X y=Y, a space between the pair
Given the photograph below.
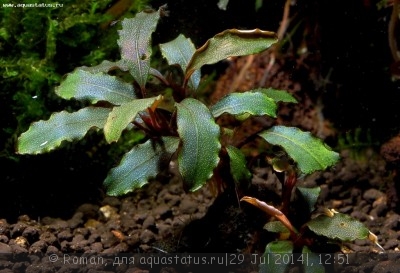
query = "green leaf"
x=309 y=152
x=180 y=51
x=239 y=170
x=83 y=85
x=276 y=95
x=122 y=115
x=200 y=143
x=140 y=164
x=135 y=44
x=239 y=104
x=222 y=4
x=310 y=196
x=43 y=136
x=229 y=43
x=105 y=66
x=258 y=4
x=276 y=226
x=313 y=263
x=273 y=253
x=339 y=226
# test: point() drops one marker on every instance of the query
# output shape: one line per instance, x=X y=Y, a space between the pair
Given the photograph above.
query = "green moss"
x=40 y=45
x=358 y=142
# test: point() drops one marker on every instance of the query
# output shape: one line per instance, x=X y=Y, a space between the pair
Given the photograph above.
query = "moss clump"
x=39 y=45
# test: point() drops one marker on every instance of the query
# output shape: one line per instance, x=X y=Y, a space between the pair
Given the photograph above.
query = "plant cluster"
x=174 y=121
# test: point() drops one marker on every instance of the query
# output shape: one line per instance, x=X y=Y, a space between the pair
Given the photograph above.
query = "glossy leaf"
x=140 y=164
x=229 y=43
x=310 y=196
x=45 y=135
x=237 y=163
x=180 y=51
x=121 y=116
x=83 y=85
x=198 y=155
x=277 y=95
x=309 y=152
x=135 y=44
x=339 y=226
x=272 y=257
x=105 y=66
x=239 y=104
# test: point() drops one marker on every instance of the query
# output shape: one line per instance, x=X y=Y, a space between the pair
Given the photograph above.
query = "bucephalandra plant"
x=327 y=228
x=179 y=123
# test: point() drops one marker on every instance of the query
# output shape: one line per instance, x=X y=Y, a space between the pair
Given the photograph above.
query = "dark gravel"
x=162 y=218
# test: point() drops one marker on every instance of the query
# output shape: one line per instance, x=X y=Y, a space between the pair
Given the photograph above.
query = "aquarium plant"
x=311 y=242
x=178 y=124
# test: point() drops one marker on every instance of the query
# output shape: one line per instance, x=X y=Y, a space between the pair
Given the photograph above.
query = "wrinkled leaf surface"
x=199 y=133
x=276 y=95
x=180 y=51
x=121 y=116
x=105 y=67
x=83 y=85
x=230 y=43
x=310 y=196
x=253 y=103
x=45 y=135
x=340 y=226
x=237 y=163
x=309 y=152
x=140 y=164
x=135 y=44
